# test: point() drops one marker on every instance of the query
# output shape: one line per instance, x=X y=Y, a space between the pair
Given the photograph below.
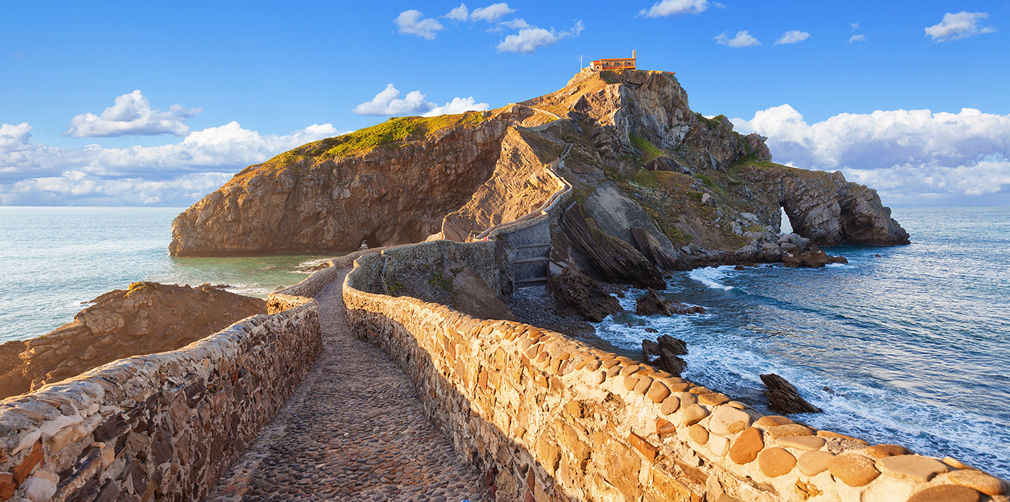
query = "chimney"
x=633 y=53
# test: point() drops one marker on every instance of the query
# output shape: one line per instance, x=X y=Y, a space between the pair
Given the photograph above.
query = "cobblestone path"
x=353 y=430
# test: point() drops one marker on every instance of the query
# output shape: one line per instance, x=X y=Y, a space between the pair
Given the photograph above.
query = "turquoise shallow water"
x=908 y=347
x=54 y=258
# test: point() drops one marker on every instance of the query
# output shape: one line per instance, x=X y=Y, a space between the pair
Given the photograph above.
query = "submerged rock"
x=147 y=318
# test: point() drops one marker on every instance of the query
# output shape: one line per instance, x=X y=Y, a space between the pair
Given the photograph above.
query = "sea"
x=907 y=345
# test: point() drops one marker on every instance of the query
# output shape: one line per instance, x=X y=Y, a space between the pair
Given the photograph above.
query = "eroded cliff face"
x=146 y=319
x=388 y=184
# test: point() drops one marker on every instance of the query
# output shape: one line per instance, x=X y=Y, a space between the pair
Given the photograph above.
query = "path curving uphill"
x=353 y=430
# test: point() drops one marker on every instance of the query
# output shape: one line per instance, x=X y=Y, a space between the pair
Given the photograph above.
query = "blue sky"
x=158 y=104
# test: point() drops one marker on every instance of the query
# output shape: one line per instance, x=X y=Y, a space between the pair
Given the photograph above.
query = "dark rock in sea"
x=670 y=363
x=674 y=345
x=814 y=257
x=784 y=398
x=651 y=330
x=583 y=294
x=650 y=348
x=653 y=303
x=738 y=267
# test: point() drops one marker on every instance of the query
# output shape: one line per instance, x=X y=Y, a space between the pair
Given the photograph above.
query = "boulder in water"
x=784 y=398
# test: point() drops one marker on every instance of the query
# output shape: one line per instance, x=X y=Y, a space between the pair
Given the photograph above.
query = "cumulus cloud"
x=491 y=13
x=855 y=26
x=528 y=40
x=412 y=22
x=742 y=39
x=14 y=137
x=675 y=7
x=177 y=173
x=515 y=24
x=458 y=105
x=459 y=13
x=132 y=115
x=388 y=102
x=792 y=37
x=957 y=26
x=857 y=38
x=907 y=154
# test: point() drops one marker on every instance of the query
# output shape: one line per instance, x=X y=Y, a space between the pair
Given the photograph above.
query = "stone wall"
x=161 y=426
x=550 y=418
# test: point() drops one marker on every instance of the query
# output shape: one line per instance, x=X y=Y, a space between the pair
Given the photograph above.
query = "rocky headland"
x=656 y=186
x=147 y=318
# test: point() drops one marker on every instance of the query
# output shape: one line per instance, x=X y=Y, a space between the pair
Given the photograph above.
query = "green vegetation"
x=706 y=180
x=649 y=151
x=439 y=280
x=395 y=288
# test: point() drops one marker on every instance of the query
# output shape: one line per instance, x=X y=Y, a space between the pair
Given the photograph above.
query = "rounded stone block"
x=807 y=443
x=746 y=447
x=813 y=463
x=946 y=493
x=658 y=392
x=698 y=433
x=718 y=445
x=979 y=481
x=727 y=420
x=775 y=462
x=913 y=467
x=643 y=385
x=699 y=390
x=773 y=420
x=852 y=469
x=713 y=398
x=630 y=383
x=670 y=405
x=628 y=370
x=789 y=430
x=694 y=414
x=886 y=450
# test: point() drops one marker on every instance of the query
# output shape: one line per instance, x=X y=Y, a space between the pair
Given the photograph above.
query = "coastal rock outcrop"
x=653 y=303
x=583 y=294
x=784 y=398
x=147 y=318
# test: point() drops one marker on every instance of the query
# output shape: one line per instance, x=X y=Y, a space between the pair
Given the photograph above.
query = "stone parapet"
x=551 y=418
x=162 y=426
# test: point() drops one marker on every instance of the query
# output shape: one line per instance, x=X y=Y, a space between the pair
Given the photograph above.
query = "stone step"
x=535 y=259
x=528 y=283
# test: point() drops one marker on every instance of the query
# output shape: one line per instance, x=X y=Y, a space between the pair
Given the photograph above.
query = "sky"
x=160 y=103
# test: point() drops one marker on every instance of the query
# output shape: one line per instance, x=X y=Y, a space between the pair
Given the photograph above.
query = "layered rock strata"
x=146 y=319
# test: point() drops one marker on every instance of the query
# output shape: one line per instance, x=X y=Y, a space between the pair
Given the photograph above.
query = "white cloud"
x=387 y=102
x=515 y=24
x=742 y=39
x=459 y=13
x=906 y=154
x=76 y=187
x=528 y=40
x=14 y=137
x=674 y=7
x=855 y=26
x=411 y=23
x=857 y=38
x=957 y=26
x=792 y=37
x=225 y=147
x=458 y=105
x=491 y=13
x=132 y=115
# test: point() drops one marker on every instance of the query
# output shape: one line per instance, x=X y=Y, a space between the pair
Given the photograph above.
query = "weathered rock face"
x=652 y=303
x=519 y=185
x=148 y=318
x=583 y=294
x=389 y=184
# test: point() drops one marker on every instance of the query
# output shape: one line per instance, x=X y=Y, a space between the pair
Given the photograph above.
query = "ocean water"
x=54 y=258
x=906 y=345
